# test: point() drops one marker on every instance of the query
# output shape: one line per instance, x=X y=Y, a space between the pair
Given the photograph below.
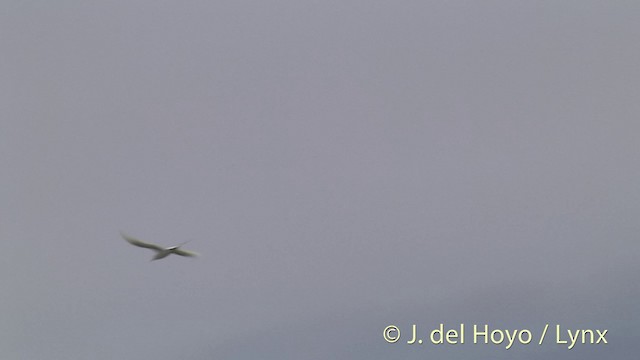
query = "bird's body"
x=161 y=252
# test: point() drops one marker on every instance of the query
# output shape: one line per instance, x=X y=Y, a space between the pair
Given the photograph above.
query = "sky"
x=340 y=166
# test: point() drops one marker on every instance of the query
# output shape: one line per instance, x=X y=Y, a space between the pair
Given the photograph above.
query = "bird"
x=161 y=252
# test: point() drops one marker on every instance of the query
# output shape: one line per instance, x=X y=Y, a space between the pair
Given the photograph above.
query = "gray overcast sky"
x=341 y=166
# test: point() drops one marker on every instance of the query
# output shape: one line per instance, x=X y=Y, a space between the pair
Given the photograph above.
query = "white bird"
x=161 y=252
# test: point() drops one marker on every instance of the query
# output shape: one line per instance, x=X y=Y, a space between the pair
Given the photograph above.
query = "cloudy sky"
x=340 y=165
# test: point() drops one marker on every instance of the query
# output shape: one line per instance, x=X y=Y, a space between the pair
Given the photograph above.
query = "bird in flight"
x=161 y=252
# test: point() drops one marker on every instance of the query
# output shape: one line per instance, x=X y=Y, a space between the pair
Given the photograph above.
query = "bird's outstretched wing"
x=140 y=243
x=184 y=253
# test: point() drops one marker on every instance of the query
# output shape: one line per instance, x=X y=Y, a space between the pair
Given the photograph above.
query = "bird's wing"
x=140 y=243
x=184 y=252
